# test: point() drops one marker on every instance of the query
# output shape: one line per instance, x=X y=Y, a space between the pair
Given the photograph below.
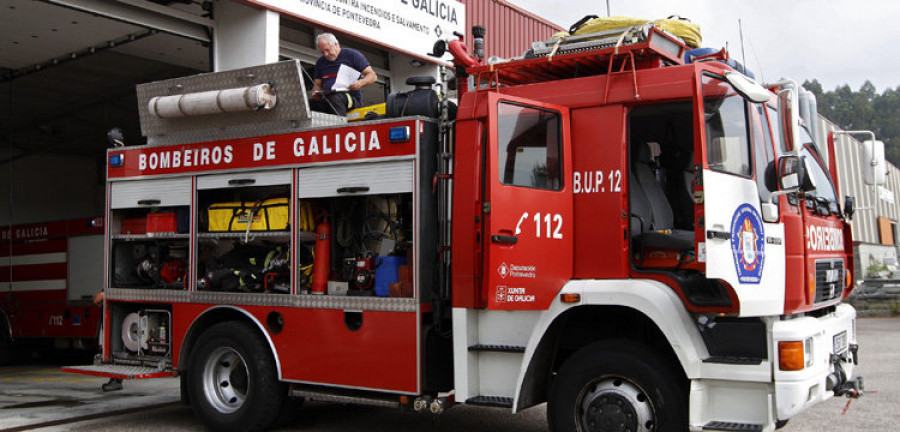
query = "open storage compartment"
x=150 y=233
x=140 y=335
x=244 y=232
x=369 y=212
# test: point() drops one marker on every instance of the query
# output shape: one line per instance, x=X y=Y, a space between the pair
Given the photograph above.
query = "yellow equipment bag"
x=361 y=113
x=686 y=30
x=267 y=215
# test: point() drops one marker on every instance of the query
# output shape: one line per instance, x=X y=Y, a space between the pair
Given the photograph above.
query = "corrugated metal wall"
x=849 y=158
x=510 y=29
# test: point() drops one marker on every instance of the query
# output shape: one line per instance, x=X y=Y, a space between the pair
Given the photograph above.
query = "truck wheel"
x=616 y=386
x=6 y=348
x=232 y=381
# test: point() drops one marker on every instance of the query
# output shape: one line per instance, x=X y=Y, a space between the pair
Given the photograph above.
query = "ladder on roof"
x=591 y=41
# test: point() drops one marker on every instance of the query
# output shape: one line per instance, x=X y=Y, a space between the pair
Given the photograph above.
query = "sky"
x=835 y=41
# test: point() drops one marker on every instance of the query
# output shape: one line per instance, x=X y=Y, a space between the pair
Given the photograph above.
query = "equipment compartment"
x=372 y=237
x=149 y=263
x=244 y=238
x=139 y=334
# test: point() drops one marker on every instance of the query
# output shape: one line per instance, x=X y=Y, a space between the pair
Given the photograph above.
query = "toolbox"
x=162 y=223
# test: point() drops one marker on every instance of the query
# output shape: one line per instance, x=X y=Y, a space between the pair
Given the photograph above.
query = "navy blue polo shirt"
x=326 y=70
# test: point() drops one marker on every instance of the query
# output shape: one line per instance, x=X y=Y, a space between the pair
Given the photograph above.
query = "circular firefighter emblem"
x=748 y=244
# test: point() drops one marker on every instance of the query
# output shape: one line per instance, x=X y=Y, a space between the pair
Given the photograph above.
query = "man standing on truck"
x=338 y=77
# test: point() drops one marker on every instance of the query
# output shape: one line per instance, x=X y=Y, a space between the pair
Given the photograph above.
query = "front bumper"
x=826 y=370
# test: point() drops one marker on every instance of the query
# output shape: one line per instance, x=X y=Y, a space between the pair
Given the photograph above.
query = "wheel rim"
x=225 y=380
x=614 y=404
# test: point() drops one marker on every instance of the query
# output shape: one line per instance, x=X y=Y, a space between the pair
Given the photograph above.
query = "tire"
x=6 y=347
x=232 y=381
x=617 y=385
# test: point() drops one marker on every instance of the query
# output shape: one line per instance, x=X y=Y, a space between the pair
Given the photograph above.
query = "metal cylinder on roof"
x=510 y=29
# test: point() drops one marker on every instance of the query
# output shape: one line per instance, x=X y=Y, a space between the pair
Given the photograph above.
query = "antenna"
x=743 y=54
x=607 y=8
x=762 y=74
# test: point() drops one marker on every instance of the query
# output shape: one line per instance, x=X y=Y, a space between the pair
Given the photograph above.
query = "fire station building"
x=69 y=68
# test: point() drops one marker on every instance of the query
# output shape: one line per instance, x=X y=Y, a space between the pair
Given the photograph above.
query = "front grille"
x=829 y=279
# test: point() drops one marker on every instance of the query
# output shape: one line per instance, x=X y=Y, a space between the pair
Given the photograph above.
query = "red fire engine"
x=644 y=243
x=50 y=273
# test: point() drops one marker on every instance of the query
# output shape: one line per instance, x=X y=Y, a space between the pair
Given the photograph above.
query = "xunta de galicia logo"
x=748 y=244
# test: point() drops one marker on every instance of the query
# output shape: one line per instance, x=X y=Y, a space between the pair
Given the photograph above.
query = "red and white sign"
x=824 y=238
x=406 y=25
x=327 y=145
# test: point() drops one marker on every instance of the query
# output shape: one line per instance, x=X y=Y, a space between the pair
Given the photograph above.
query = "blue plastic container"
x=386 y=273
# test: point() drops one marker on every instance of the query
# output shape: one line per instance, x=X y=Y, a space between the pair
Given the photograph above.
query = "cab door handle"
x=504 y=239
x=718 y=235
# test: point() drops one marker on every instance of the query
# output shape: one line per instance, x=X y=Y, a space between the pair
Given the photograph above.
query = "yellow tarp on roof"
x=686 y=30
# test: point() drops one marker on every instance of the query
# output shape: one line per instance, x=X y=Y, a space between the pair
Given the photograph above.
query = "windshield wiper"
x=823 y=206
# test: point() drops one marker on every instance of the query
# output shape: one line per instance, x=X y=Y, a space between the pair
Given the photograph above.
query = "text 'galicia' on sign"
x=345 y=144
x=407 y=25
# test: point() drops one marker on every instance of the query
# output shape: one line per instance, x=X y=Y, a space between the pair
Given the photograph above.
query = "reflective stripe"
x=41 y=285
x=58 y=257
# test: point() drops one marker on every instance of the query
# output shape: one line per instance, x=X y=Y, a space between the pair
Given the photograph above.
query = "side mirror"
x=790 y=174
x=789 y=119
x=873 y=164
x=849 y=207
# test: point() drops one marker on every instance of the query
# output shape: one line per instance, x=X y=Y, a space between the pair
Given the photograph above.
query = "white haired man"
x=324 y=99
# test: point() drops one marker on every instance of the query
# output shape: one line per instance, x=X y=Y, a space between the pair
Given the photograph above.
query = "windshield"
x=824 y=189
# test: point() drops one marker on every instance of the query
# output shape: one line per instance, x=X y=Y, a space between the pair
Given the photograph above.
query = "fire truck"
x=644 y=242
x=50 y=273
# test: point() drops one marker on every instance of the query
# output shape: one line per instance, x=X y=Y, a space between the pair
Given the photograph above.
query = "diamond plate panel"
x=383 y=304
x=119 y=371
x=291 y=112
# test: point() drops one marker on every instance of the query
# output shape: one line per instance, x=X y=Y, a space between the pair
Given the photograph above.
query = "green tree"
x=863 y=109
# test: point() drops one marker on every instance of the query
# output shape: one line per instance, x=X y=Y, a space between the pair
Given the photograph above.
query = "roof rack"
x=589 y=41
x=588 y=54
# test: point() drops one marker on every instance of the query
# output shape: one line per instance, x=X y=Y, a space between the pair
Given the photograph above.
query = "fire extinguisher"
x=322 y=263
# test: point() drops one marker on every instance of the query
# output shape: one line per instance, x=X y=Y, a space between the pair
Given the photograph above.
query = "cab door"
x=528 y=208
x=739 y=247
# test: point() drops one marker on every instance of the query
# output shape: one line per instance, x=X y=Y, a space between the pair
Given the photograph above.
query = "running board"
x=493 y=401
x=732 y=427
x=120 y=371
x=497 y=348
x=325 y=396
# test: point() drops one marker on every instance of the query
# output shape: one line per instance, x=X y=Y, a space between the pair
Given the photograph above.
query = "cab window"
x=530 y=146
x=765 y=157
x=727 y=142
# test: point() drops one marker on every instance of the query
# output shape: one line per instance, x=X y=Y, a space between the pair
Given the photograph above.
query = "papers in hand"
x=346 y=75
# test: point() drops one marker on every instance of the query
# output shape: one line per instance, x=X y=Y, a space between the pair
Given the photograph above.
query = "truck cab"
x=643 y=173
